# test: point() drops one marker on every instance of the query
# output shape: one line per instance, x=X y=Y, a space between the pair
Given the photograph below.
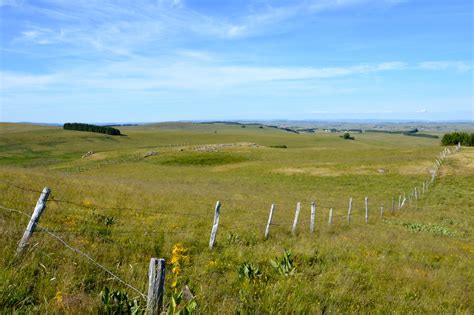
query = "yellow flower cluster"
x=178 y=259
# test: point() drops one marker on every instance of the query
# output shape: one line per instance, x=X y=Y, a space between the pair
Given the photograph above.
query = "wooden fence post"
x=366 y=210
x=269 y=222
x=215 y=225
x=416 y=193
x=313 y=215
x=330 y=217
x=399 y=201
x=381 y=210
x=30 y=228
x=349 y=211
x=297 y=215
x=156 y=286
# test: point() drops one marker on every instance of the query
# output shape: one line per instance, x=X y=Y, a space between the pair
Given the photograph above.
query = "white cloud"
x=446 y=65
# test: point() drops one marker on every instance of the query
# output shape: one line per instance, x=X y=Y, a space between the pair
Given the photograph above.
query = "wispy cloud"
x=446 y=65
x=187 y=74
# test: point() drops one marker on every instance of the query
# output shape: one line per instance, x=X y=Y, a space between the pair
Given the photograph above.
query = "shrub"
x=347 y=136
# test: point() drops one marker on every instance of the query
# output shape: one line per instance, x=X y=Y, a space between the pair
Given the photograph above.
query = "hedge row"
x=92 y=128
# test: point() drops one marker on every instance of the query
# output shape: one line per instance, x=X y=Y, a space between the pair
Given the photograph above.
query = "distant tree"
x=453 y=138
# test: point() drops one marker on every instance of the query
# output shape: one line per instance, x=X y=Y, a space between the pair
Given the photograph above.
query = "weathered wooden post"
x=349 y=211
x=313 y=215
x=297 y=215
x=30 y=228
x=269 y=222
x=330 y=217
x=156 y=286
x=416 y=193
x=399 y=201
x=215 y=225
x=366 y=210
x=424 y=187
x=381 y=211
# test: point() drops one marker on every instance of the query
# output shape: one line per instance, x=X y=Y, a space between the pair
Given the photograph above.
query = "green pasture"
x=126 y=205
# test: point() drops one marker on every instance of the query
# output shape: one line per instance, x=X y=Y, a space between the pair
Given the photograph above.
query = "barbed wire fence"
x=154 y=298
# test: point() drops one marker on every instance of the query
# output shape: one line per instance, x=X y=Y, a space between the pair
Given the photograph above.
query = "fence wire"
x=80 y=252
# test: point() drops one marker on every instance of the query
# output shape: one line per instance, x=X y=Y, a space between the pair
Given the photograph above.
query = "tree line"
x=453 y=138
x=92 y=128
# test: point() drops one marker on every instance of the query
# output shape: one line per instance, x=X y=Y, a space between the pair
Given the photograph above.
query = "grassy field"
x=125 y=207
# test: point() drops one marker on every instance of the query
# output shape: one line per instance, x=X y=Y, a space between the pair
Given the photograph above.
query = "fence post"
x=381 y=210
x=424 y=187
x=330 y=217
x=156 y=285
x=366 y=210
x=349 y=211
x=416 y=193
x=215 y=225
x=269 y=222
x=393 y=204
x=30 y=228
x=313 y=215
x=297 y=214
x=399 y=201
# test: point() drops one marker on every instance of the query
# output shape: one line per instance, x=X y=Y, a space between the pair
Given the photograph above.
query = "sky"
x=165 y=60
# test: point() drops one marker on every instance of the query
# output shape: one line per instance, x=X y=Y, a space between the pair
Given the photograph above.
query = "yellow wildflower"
x=59 y=299
x=176 y=270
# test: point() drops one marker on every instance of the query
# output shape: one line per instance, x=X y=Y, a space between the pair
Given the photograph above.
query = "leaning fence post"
x=269 y=222
x=403 y=202
x=30 y=228
x=313 y=215
x=215 y=225
x=156 y=285
x=330 y=217
x=366 y=210
x=349 y=211
x=297 y=214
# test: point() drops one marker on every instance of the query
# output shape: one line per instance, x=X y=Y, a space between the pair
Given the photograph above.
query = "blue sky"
x=158 y=60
